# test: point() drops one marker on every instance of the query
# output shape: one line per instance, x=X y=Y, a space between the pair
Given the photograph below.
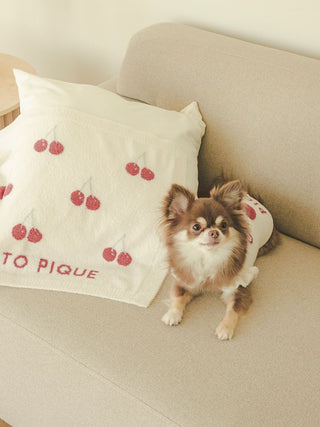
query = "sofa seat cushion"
x=267 y=374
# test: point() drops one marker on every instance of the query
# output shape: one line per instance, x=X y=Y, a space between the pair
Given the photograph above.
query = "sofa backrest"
x=261 y=107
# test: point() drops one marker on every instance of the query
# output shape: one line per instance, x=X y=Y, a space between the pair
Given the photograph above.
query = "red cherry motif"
x=77 y=198
x=34 y=235
x=109 y=254
x=250 y=212
x=19 y=232
x=41 y=145
x=250 y=238
x=132 y=168
x=147 y=174
x=92 y=203
x=8 y=189
x=2 y=190
x=56 y=147
x=5 y=190
x=263 y=211
x=124 y=259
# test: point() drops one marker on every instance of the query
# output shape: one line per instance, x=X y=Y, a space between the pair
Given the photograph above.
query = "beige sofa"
x=72 y=360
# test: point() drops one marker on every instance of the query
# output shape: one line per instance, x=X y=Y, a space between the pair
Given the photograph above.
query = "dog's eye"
x=223 y=224
x=196 y=227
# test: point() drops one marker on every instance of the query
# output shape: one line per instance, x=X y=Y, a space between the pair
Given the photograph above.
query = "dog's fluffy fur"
x=207 y=246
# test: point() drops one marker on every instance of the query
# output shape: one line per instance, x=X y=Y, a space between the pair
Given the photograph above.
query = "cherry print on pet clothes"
x=249 y=238
x=250 y=212
x=260 y=226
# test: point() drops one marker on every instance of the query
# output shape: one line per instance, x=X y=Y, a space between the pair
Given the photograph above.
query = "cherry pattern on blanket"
x=133 y=168
x=5 y=190
x=77 y=197
x=19 y=231
x=83 y=196
x=55 y=147
x=110 y=253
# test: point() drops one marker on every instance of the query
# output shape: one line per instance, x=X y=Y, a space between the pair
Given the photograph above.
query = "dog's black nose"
x=214 y=234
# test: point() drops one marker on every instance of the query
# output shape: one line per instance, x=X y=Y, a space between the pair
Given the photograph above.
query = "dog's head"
x=207 y=223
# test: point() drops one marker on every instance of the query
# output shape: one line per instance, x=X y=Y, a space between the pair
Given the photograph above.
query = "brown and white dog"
x=212 y=245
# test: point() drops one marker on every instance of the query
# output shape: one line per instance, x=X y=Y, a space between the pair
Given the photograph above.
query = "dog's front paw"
x=224 y=331
x=172 y=317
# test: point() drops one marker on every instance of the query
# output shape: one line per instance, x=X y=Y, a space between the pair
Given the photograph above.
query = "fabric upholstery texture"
x=267 y=375
x=261 y=107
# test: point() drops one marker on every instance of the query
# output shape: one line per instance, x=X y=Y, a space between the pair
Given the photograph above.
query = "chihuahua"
x=212 y=245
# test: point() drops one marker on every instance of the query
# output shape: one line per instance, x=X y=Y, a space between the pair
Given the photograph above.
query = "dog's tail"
x=273 y=241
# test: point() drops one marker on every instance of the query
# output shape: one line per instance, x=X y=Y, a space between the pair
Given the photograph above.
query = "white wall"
x=85 y=40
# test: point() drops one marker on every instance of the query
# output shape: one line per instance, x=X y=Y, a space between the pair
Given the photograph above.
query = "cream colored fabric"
x=64 y=393
x=260 y=224
x=261 y=107
x=267 y=375
x=87 y=172
x=40 y=93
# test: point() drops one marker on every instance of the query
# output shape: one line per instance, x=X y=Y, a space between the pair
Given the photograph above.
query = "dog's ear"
x=230 y=194
x=177 y=202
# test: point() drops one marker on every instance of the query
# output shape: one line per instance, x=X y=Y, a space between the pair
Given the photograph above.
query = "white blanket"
x=81 y=200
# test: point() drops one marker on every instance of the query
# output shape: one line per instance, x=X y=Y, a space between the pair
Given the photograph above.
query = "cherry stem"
x=29 y=214
x=86 y=183
x=121 y=239
x=54 y=132
x=144 y=158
